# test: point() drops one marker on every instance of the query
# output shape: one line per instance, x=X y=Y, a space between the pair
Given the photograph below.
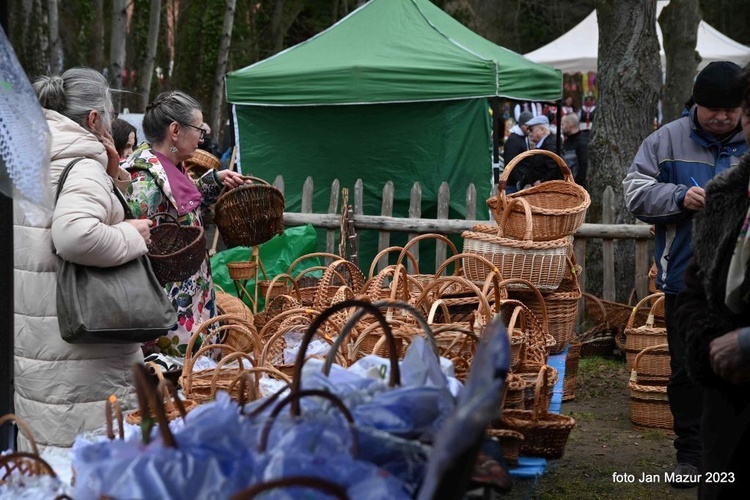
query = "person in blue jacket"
x=665 y=187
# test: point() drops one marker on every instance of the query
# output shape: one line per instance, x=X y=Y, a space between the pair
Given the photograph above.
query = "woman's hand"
x=113 y=157
x=144 y=228
x=232 y=179
x=727 y=358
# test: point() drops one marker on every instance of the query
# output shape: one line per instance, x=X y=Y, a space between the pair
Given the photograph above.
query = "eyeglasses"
x=203 y=131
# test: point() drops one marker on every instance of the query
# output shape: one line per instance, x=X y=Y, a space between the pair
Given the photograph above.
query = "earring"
x=173 y=149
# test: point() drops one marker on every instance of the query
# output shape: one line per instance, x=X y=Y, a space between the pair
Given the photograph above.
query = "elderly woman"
x=60 y=388
x=173 y=128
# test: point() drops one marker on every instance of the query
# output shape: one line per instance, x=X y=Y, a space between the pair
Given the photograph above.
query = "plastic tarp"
x=577 y=50
x=429 y=143
x=393 y=51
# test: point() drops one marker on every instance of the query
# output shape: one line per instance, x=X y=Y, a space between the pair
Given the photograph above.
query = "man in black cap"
x=665 y=187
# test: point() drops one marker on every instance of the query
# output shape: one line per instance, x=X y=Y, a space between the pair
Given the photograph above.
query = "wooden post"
x=471 y=202
x=307 y=196
x=579 y=249
x=642 y=263
x=608 y=247
x=358 y=205
x=384 y=237
x=333 y=207
x=443 y=210
x=415 y=212
x=278 y=183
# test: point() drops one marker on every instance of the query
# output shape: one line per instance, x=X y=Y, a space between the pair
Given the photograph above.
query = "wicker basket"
x=638 y=338
x=250 y=214
x=237 y=338
x=510 y=442
x=25 y=464
x=558 y=207
x=515 y=387
x=201 y=162
x=598 y=338
x=174 y=407
x=543 y=263
x=545 y=434
x=649 y=405
x=176 y=252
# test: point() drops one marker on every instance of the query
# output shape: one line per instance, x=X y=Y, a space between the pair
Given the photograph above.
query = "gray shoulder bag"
x=111 y=305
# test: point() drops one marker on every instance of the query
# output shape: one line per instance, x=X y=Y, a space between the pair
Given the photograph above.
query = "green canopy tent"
x=398 y=90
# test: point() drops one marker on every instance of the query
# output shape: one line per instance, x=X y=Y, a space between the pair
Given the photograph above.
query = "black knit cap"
x=717 y=86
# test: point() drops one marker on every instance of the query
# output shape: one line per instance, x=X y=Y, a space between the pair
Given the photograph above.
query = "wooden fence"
x=385 y=223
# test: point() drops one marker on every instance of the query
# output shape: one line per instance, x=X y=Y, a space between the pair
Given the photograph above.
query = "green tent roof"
x=393 y=51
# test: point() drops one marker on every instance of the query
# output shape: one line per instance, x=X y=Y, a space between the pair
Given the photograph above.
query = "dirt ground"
x=604 y=442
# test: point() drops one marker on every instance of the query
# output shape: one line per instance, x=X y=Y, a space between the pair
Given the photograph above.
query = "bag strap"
x=64 y=175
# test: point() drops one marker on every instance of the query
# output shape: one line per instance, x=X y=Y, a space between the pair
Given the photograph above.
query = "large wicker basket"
x=649 y=334
x=558 y=207
x=543 y=263
x=649 y=405
x=250 y=214
x=545 y=434
x=176 y=252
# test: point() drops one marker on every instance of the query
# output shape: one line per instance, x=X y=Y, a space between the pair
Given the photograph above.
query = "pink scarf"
x=186 y=195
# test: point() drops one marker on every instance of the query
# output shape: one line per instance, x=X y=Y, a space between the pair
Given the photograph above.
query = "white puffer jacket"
x=60 y=388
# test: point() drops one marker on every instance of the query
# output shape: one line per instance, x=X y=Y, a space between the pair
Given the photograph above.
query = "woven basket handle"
x=41 y=466
x=237 y=355
x=503 y=183
x=528 y=230
x=227 y=319
x=484 y=307
x=429 y=236
x=334 y=270
x=603 y=314
x=439 y=303
x=10 y=417
x=493 y=274
x=253 y=374
x=537 y=293
x=636 y=362
x=257 y=180
x=313 y=255
x=540 y=394
x=293 y=398
x=314 y=483
x=385 y=252
x=167 y=215
x=658 y=303
x=640 y=305
x=276 y=279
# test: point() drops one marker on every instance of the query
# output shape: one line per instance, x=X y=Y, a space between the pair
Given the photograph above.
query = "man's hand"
x=695 y=199
x=727 y=358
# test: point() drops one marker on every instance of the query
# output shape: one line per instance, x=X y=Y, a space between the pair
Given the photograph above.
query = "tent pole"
x=496 y=139
x=559 y=127
x=7 y=436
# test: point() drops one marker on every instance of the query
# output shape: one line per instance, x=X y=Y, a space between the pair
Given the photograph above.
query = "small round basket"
x=201 y=162
x=250 y=214
x=176 y=252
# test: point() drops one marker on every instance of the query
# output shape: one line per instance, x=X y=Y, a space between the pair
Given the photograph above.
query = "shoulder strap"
x=64 y=176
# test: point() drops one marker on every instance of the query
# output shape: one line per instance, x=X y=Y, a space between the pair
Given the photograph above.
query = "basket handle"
x=315 y=483
x=503 y=183
x=528 y=230
x=173 y=220
x=433 y=312
x=236 y=321
x=225 y=188
x=313 y=255
x=172 y=397
x=274 y=280
x=431 y=236
x=254 y=375
x=484 y=305
x=41 y=466
x=493 y=273
x=540 y=394
x=147 y=395
x=10 y=417
x=111 y=404
x=640 y=305
x=652 y=313
x=646 y=350
x=385 y=252
x=537 y=293
x=294 y=398
x=237 y=355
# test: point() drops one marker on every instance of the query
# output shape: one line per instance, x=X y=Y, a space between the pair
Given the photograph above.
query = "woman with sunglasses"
x=172 y=125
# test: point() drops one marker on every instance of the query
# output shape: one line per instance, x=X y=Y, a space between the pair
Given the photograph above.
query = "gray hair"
x=572 y=119
x=168 y=107
x=75 y=94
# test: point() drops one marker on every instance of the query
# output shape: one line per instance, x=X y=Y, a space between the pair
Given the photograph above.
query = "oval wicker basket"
x=649 y=405
x=543 y=263
x=558 y=207
x=647 y=335
x=176 y=252
x=250 y=214
x=201 y=162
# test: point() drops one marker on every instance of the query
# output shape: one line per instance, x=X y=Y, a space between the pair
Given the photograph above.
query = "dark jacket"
x=576 y=155
x=543 y=168
x=700 y=310
x=514 y=146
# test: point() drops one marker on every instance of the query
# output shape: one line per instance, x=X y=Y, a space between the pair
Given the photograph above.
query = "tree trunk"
x=55 y=47
x=147 y=71
x=277 y=22
x=217 y=96
x=117 y=47
x=679 y=28
x=628 y=75
x=98 y=34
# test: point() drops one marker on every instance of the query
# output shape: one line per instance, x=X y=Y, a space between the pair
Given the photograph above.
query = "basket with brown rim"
x=173 y=405
x=237 y=338
x=543 y=263
x=649 y=405
x=637 y=338
x=558 y=207
x=22 y=463
x=250 y=214
x=176 y=252
x=597 y=337
x=545 y=434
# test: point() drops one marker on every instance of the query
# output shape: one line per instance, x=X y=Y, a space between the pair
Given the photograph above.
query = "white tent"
x=577 y=49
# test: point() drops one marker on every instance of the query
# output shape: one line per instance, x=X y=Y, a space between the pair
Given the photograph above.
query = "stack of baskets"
x=533 y=240
x=649 y=405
